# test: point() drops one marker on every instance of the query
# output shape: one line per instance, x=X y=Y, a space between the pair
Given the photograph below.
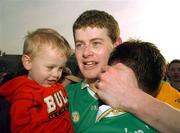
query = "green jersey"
x=83 y=106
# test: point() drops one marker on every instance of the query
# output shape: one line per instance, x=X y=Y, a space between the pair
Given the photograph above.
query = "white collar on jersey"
x=85 y=85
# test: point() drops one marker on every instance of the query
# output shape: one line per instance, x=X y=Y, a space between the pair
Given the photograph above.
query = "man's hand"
x=118 y=86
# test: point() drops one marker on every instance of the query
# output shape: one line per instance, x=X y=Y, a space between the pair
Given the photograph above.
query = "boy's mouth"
x=51 y=82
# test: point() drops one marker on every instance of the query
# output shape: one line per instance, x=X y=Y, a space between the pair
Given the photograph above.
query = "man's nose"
x=88 y=51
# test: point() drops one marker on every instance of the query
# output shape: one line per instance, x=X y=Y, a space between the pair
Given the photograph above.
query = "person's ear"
x=26 y=61
x=118 y=42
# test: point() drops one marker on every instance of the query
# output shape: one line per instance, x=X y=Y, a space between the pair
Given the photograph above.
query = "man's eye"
x=79 y=46
x=96 y=44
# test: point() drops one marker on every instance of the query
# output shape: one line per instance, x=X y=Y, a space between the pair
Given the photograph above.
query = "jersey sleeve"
x=24 y=114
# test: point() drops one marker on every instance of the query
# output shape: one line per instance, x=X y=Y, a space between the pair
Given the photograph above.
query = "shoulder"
x=167 y=88
x=73 y=87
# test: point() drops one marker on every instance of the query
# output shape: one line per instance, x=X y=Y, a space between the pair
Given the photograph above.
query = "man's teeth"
x=89 y=63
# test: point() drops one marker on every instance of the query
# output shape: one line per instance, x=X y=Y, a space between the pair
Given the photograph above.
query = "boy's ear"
x=26 y=61
x=118 y=42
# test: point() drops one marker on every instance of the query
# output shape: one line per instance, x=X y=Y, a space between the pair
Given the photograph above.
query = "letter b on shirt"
x=51 y=106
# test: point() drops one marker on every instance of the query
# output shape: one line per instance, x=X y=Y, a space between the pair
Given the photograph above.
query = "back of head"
x=145 y=60
x=44 y=37
x=98 y=19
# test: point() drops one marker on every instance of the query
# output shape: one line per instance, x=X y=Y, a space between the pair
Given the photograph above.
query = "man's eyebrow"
x=95 y=39
x=80 y=41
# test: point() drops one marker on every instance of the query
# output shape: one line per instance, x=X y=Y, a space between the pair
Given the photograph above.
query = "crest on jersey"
x=75 y=116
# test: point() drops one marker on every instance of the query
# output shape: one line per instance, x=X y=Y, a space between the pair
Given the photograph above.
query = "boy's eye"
x=50 y=67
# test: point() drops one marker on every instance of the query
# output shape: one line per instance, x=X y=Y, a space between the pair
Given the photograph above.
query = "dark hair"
x=174 y=61
x=145 y=60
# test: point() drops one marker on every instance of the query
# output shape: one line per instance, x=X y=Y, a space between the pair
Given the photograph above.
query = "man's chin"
x=90 y=76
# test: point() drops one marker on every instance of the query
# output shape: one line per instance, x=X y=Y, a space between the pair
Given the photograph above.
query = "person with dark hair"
x=145 y=60
x=173 y=72
x=167 y=92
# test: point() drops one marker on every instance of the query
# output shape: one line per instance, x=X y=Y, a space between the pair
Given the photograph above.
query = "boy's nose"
x=56 y=74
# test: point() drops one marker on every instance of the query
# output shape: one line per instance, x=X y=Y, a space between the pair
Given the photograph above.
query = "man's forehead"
x=91 y=34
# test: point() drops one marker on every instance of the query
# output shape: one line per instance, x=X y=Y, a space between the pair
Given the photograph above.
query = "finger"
x=103 y=71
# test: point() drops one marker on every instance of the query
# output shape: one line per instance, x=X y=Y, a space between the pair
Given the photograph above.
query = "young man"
x=174 y=73
x=167 y=92
x=96 y=33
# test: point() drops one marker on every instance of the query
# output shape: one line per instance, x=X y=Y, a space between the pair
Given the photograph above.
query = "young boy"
x=148 y=65
x=38 y=103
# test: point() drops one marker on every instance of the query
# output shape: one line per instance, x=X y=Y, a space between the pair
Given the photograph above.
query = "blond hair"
x=39 y=38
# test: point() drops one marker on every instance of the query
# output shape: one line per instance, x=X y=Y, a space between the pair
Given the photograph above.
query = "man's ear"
x=26 y=60
x=118 y=42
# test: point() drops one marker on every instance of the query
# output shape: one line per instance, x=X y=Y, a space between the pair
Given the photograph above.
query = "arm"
x=118 y=88
x=20 y=116
x=160 y=115
x=24 y=115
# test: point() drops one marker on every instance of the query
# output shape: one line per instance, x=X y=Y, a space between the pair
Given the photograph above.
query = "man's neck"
x=90 y=81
